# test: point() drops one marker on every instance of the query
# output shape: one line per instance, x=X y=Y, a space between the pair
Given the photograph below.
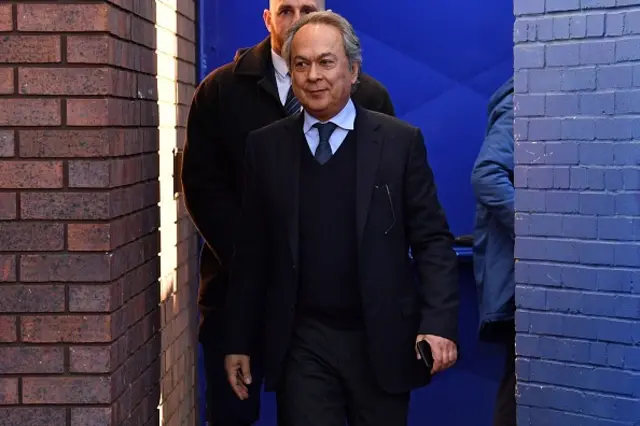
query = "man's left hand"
x=444 y=351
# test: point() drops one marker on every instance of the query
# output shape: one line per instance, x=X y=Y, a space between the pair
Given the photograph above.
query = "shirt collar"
x=279 y=64
x=345 y=119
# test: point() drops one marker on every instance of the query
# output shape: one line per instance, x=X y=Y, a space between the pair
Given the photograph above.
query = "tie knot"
x=325 y=130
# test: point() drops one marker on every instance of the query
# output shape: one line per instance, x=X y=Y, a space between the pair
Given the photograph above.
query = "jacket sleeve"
x=247 y=291
x=431 y=246
x=205 y=178
x=492 y=175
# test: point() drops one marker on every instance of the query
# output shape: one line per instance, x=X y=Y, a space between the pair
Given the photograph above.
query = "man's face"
x=281 y=16
x=320 y=72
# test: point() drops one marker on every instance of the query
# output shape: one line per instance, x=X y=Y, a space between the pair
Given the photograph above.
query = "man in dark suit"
x=335 y=196
x=249 y=93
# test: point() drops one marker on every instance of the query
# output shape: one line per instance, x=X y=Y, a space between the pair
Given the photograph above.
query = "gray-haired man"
x=335 y=196
x=246 y=94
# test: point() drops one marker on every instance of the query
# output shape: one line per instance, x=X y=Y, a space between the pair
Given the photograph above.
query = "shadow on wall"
x=135 y=385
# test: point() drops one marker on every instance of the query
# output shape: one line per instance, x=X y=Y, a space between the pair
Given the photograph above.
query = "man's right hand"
x=238 y=374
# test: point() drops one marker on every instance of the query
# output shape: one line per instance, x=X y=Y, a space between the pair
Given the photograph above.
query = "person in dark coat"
x=335 y=196
x=244 y=95
x=494 y=236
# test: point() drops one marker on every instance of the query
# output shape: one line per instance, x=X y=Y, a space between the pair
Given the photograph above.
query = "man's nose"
x=314 y=72
x=296 y=16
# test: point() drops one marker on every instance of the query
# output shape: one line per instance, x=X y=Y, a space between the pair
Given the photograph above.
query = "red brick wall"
x=90 y=335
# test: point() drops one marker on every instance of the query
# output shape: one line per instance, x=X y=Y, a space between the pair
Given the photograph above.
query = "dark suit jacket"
x=232 y=101
x=390 y=155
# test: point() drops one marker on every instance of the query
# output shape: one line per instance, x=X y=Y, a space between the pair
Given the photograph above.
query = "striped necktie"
x=291 y=105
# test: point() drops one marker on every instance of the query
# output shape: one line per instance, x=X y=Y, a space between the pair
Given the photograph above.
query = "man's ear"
x=266 y=17
x=355 y=72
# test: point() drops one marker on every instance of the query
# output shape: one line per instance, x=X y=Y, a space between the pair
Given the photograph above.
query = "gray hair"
x=350 y=41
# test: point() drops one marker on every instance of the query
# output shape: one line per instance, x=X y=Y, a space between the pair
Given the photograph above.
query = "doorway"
x=440 y=61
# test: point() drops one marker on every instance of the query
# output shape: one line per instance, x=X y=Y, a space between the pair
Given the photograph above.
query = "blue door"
x=441 y=60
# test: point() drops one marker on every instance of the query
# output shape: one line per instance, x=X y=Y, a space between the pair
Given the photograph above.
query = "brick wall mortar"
x=577 y=177
x=80 y=298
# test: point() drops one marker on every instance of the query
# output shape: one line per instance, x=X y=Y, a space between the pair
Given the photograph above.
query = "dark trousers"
x=505 y=407
x=328 y=380
x=223 y=406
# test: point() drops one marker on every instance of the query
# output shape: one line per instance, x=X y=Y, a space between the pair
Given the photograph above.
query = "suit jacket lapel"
x=268 y=84
x=291 y=181
x=368 y=149
x=257 y=62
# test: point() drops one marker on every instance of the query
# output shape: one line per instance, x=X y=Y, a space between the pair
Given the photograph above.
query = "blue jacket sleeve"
x=492 y=176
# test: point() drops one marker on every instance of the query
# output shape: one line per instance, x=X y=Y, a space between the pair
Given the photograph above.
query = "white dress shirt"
x=345 y=121
x=283 y=80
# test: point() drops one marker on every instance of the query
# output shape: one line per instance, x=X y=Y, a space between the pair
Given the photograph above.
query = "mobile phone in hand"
x=424 y=349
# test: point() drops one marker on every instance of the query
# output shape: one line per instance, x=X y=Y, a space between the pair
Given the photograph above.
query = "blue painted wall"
x=441 y=60
x=578 y=211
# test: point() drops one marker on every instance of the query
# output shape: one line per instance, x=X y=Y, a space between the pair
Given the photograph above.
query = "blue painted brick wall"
x=577 y=155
